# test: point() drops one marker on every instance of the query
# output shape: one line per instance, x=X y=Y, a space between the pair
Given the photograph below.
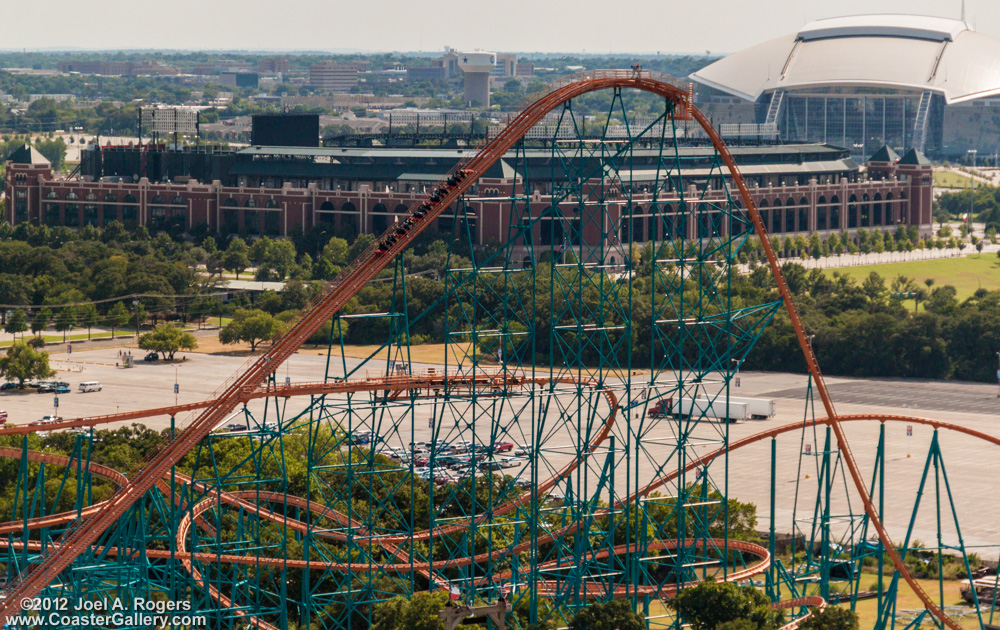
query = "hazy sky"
x=594 y=26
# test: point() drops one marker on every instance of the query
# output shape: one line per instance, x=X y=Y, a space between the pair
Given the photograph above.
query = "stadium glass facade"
x=861 y=122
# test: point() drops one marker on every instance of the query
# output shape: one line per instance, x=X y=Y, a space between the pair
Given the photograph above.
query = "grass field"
x=867 y=609
x=58 y=337
x=950 y=179
x=433 y=353
x=906 y=600
x=966 y=273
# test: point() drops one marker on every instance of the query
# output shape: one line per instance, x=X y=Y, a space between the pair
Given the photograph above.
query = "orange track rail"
x=369 y=264
x=430 y=380
x=244 y=500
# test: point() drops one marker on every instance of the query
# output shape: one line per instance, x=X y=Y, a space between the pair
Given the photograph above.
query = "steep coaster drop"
x=88 y=525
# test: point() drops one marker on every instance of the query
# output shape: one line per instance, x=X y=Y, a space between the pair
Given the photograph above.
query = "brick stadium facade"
x=821 y=195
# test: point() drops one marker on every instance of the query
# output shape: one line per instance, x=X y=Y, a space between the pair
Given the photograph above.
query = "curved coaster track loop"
x=696 y=331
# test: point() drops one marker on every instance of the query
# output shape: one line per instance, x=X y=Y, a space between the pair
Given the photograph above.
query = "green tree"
x=88 y=317
x=236 y=258
x=167 y=339
x=117 y=317
x=250 y=326
x=214 y=264
x=418 y=612
x=23 y=363
x=54 y=151
x=209 y=245
x=66 y=321
x=17 y=322
x=710 y=604
x=835 y=243
x=614 y=615
x=336 y=251
x=875 y=289
x=41 y=320
x=831 y=618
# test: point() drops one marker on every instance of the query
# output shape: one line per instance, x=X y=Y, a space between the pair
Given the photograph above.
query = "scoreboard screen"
x=285 y=130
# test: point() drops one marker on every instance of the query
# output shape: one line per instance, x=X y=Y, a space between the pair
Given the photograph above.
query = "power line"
x=130 y=296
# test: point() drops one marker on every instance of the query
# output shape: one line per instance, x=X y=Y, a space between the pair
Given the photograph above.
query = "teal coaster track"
x=582 y=339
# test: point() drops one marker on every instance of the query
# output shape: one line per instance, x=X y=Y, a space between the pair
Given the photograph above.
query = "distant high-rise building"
x=506 y=65
x=239 y=79
x=273 y=65
x=426 y=73
x=333 y=76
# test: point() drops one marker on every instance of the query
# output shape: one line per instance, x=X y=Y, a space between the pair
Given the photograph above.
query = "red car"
x=503 y=447
x=3 y=417
x=421 y=461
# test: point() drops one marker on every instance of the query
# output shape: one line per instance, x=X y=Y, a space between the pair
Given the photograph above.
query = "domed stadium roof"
x=908 y=52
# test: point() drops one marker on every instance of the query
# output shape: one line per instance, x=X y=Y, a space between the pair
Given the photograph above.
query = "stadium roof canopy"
x=909 y=52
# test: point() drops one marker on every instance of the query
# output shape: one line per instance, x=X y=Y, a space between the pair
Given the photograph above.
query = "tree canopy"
x=24 y=363
x=614 y=615
x=418 y=612
x=831 y=618
x=250 y=326
x=167 y=339
x=710 y=604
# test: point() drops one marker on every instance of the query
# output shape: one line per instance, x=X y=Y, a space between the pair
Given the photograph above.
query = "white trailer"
x=759 y=408
x=702 y=407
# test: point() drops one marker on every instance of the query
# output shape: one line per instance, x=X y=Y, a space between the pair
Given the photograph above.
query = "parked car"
x=236 y=426
x=3 y=417
x=63 y=390
x=90 y=386
x=503 y=447
x=152 y=356
x=523 y=450
x=44 y=421
x=8 y=385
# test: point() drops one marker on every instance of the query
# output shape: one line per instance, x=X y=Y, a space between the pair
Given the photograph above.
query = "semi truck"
x=759 y=408
x=702 y=407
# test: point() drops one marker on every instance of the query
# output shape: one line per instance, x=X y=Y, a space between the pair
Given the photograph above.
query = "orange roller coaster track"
x=250 y=500
x=376 y=258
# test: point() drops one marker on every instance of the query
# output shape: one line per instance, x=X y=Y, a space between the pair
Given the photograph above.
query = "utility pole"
x=135 y=308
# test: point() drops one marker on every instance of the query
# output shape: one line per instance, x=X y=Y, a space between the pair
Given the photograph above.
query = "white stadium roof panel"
x=893 y=51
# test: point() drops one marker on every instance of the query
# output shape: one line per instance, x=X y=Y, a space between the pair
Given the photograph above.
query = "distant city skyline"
x=634 y=26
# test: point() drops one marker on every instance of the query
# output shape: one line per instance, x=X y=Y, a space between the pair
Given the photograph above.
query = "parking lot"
x=560 y=426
